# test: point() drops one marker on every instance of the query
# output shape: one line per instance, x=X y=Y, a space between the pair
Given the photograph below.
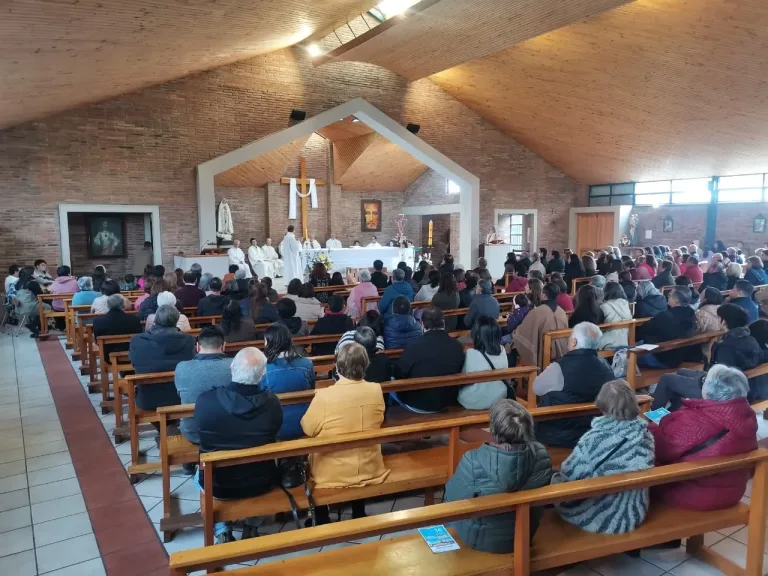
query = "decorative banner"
x=293 y=191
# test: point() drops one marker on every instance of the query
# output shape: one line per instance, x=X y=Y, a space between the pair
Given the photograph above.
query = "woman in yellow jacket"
x=350 y=405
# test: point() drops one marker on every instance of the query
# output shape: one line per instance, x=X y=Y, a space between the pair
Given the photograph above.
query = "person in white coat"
x=290 y=249
x=237 y=257
x=311 y=244
x=271 y=257
x=615 y=308
x=332 y=243
x=373 y=243
x=256 y=257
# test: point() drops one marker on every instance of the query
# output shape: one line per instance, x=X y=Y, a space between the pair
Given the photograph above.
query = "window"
x=612 y=194
x=692 y=191
x=750 y=188
x=514 y=235
x=452 y=187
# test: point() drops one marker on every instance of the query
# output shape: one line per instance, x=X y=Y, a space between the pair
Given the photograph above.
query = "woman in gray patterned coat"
x=511 y=462
x=618 y=442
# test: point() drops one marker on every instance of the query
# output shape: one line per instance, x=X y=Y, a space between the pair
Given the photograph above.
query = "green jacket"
x=490 y=470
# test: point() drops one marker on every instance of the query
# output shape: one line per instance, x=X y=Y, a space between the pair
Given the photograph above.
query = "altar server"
x=290 y=249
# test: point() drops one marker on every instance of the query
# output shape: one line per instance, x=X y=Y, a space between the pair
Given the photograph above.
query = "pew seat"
x=410 y=555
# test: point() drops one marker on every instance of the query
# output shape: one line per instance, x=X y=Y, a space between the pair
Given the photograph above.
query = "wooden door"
x=594 y=231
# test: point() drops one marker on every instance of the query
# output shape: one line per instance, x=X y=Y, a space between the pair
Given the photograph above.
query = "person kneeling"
x=618 y=442
x=349 y=405
x=511 y=462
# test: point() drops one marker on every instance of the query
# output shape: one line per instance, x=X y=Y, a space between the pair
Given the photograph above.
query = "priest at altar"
x=257 y=261
x=237 y=257
x=333 y=243
x=291 y=251
x=373 y=243
x=271 y=257
x=310 y=243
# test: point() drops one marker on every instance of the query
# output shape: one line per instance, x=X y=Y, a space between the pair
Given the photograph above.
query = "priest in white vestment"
x=237 y=256
x=271 y=257
x=332 y=243
x=255 y=255
x=374 y=243
x=311 y=244
x=290 y=249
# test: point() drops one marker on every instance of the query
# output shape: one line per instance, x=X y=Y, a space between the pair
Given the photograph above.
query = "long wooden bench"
x=555 y=544
x=46 y=314
x=176 y=450
x=651 y=376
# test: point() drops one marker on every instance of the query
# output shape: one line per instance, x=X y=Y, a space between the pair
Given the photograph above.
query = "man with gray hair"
x=678 y=321
x=116 y=322
x=399 y=287
x=242 y=414
x=575 y=378
x=599 y=282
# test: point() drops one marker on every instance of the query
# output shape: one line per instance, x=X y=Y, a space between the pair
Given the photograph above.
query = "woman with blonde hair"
x=733 y=271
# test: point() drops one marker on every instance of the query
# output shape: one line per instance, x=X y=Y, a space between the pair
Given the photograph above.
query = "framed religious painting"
x=105 y=235
x=370 y=215
x=668 y=224
x=758 y=224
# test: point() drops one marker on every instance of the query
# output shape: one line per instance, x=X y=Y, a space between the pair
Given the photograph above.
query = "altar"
x=216 y=264
x=344 y=258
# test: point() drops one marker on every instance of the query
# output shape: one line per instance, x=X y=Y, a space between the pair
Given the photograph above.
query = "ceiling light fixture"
x=390 y=8
x=314 y=50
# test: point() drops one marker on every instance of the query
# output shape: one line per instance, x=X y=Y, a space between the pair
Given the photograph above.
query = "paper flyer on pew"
x=438 y=539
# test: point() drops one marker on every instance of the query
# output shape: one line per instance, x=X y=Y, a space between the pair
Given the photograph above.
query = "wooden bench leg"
x=429 y=497
x=756 y=527
x=522 y=540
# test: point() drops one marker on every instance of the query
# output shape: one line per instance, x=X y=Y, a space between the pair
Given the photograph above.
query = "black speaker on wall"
x=298 y=115
x=413 y=128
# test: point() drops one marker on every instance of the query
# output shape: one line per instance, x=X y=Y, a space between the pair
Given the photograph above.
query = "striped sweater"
x=614 y=513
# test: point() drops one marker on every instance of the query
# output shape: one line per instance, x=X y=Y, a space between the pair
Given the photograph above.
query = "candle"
x=429 y=237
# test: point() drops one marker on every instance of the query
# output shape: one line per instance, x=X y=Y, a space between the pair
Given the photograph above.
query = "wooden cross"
x=303 y=183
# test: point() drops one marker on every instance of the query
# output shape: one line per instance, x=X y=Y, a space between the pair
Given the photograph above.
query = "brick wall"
x=78 y=245
x=249 y=213
x=734 y=224
x=142 y=148
x=690 y=223
x=441 y=235
x=428 y=189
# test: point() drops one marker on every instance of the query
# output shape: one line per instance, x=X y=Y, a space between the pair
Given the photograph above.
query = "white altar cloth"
x=344 y=258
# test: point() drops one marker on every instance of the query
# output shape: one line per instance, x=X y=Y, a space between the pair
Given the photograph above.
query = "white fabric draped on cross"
x=293 y=192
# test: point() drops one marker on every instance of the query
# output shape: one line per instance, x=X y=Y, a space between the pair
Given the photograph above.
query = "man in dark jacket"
x=575 y=378
x=433 y=354
x=483 y=304
x=160 y=350
x=378 y=278
x=241 y=415
x=679 y=321
x=741 y=295
x=664 y=278
x=214 y=304
x=116 y=322
x=400 y=327
x=556 y=263
x=335 y=321
x=737 y=349
x=715 y=277
x=190 y=295
x=398 y=288
x=468 y=294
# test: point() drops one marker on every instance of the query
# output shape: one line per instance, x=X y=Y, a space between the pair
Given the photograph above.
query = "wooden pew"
x=136 y=416
x=46 y=314
x=401 y=554
x=575 y=284
x=631 y=325
x=651 y=376
x=176 y=450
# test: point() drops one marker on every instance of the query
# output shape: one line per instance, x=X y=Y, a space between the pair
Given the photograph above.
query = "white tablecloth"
x=344 y=258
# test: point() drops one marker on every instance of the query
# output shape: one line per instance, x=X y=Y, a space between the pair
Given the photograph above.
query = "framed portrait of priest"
x=105 y=235
x=370 y=215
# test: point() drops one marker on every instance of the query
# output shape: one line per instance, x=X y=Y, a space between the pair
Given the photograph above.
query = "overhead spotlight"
x=298 y=115
x=314 y=50
x=391 y=8
x=413 y=128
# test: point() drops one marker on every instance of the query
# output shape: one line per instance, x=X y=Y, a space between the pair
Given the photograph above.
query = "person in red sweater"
x=516 y=283
x=722 y=424
x=647 y=269
x=692 y=269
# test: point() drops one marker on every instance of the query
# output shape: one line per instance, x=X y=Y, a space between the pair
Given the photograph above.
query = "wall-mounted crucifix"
x=303 y=182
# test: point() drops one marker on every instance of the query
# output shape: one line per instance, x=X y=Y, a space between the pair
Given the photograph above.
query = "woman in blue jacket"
x=287 y=371
x=756 y=274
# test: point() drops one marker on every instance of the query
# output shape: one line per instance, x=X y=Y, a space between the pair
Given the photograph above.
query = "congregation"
x=235 y=398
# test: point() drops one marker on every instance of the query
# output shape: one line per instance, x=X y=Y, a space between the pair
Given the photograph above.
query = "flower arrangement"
x=320 y=258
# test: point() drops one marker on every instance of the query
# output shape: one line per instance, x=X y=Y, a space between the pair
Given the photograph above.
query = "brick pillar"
x=456 y=237
x=335 y=211
x=277 y=212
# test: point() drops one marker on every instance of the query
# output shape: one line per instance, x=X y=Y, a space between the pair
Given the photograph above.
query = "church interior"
x=237 y=205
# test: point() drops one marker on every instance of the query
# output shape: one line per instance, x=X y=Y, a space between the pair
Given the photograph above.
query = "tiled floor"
x=47 y=527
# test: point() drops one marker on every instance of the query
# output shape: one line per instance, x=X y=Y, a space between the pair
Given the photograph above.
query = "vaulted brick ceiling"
x=651 y=90
x=58 y=55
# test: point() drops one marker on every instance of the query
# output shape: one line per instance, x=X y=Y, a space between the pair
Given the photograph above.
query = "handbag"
x=510 y=388
x=294 y=472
